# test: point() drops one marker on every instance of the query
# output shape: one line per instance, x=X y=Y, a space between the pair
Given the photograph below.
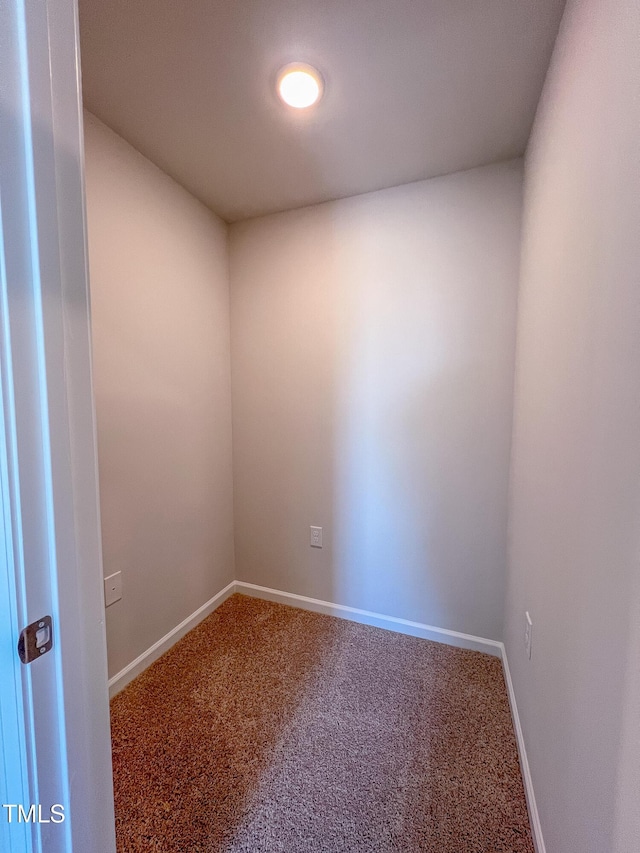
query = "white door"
x=55 y=774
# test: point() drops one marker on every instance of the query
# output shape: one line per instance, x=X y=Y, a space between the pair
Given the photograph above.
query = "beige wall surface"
x=372 y=365
x=160 y=317
x=575 y=506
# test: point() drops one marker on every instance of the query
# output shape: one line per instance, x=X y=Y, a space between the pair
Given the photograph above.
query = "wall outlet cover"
x=316 y=537
x=112 y=589
x=528 y=632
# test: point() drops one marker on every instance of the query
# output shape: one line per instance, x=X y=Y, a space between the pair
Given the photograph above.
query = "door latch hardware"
x=36 y=639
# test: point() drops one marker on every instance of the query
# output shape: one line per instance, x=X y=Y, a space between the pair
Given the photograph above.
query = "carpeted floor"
x=269 y=729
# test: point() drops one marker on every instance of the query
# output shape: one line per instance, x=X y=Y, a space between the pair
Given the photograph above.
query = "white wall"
x=575 y=495
x=372 y=364
x=160 y=318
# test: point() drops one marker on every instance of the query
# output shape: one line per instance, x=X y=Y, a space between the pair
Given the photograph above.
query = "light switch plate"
x=112 y=589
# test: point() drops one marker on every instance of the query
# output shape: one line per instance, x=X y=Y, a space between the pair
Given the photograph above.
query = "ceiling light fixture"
x=299 y=85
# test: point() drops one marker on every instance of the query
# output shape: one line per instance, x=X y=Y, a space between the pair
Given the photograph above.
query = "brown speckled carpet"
x=271 y=729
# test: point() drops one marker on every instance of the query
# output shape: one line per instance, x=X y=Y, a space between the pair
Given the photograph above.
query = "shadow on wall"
x=372 y=353
x=410 y=521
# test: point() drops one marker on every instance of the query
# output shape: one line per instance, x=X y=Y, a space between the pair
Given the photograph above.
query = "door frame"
x=59 y=727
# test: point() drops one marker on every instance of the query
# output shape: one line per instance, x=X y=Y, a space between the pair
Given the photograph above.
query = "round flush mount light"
x=299 y=85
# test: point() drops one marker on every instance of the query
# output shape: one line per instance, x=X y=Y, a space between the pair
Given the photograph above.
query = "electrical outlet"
x=316 y=537
x=528 y=630
x=112 y=589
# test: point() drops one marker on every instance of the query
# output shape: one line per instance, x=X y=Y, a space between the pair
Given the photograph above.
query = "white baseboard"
x=534 y=817
x=366 y=617
x=122 y=678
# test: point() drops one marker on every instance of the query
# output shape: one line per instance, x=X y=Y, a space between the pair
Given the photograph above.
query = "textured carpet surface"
x=268 y=728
